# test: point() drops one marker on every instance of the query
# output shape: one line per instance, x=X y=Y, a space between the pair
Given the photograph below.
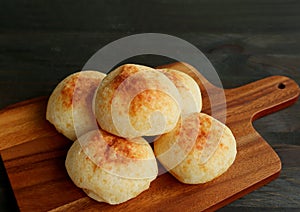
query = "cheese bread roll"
x=198 y=150
x=135 y=100
x=111 y=169
x=69 y=107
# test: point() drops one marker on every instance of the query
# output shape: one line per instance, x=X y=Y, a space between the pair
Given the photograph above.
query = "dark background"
x=41 y=42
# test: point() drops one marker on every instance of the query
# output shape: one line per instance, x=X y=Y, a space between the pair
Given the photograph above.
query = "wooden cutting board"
x=34 y=153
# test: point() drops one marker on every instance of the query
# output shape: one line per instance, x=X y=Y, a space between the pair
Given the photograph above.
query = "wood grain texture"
x=288 y=183
x=28 y=118
x=36 y=165
x=41 y=43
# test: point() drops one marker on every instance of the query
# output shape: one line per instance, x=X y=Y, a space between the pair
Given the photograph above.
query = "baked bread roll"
x=188 y=89
x=135 y=100
x=198 y=150
x=111 y=169
x=69 y=107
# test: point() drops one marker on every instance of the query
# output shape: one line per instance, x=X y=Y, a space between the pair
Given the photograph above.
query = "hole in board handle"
x=281 y=86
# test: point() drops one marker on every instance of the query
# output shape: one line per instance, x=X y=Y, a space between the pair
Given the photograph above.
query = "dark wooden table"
x=42 y=42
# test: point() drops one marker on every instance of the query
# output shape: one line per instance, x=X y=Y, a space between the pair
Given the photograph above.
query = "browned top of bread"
x=70 y=108
x=135 y=100
x=113 y=149
x=76 y=87
x=132 y=158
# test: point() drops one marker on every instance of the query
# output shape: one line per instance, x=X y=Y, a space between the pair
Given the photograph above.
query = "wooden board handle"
x=262 y=97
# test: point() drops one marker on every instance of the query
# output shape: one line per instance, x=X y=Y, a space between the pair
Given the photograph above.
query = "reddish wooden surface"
x=34 y=153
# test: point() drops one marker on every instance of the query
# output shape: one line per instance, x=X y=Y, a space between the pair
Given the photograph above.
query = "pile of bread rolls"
x=107 y=116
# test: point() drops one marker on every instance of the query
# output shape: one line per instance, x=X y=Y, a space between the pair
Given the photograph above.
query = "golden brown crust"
x=68 y=90
x=126 y=71
x=113 y=149
x=75 y=90
x=205 y=125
